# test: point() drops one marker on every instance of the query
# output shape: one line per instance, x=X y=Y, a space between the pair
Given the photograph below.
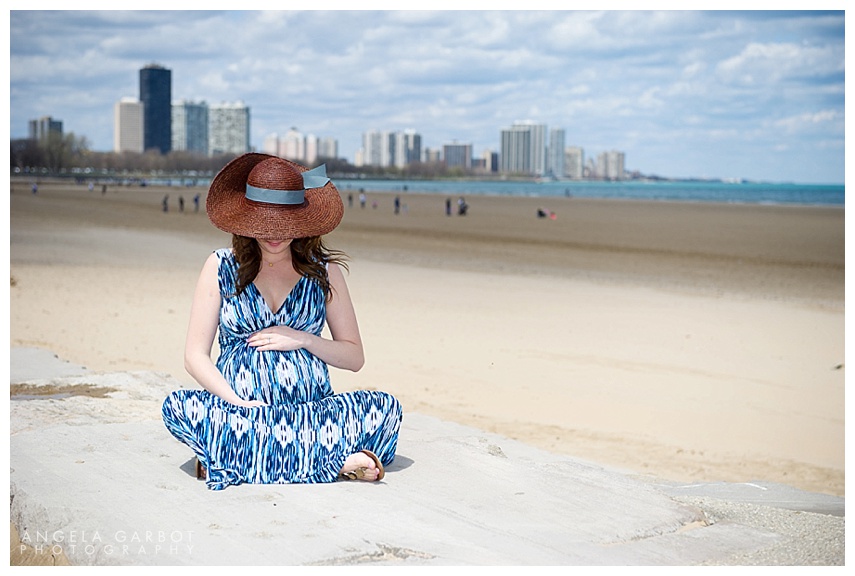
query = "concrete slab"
x=100 y=479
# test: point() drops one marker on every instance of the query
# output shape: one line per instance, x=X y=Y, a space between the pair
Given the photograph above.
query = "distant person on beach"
x=165 y=203
x=35 y=188
x=462 y=207
x=350 y=200
x=267 y=412
x=397 y=204
x=448 y=206
x=544 y=213
x=196 y=202
x=181 y=203
x=362 y=199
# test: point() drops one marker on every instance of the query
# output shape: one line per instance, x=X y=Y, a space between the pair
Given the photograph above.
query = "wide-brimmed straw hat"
x=264 y=196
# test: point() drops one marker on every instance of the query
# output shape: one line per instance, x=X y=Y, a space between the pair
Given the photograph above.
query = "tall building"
x=156 y=97
x=515 y=155
x=359 y=157
x=42 y=128
x=555 y=153
x=432 y=156
x=372 y=148
x=387 y=149
x=310 y=149
x=397 y=149
x=490 y=160
x=128 y=125
x=293 y=146
x=407 y=148
x=391 y=148
x=228 y=128
x=574 y=162
x=523 y=149
x=591 y=168
x=328 y=148
x=271 y=144
x=610 y=165
x=457 y=156
x=190 y=126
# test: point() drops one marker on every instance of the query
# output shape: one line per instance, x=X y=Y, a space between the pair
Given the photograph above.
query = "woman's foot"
x=201 y=473
x=362 y=465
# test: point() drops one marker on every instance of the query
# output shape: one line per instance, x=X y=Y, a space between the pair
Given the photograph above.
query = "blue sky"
x=721 y=94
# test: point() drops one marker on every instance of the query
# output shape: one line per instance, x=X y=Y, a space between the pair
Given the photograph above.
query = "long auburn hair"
x=309 y=256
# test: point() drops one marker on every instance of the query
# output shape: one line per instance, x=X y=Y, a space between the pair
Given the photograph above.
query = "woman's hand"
x=278 y=338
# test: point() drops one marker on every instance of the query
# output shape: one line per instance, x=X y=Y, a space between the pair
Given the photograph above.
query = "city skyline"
x=740 y=94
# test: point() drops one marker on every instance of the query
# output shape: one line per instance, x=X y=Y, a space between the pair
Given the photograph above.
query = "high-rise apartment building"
x=411 y=146
x=190 y=126
x=44 y=128
x=432 y=156
x=271 y=144
x=156 y=98
x=611 y=165
x=328 y=148
x=515 y=155
x=490 y=160
x=523 y=149
x=372 y=149
x=457 y=156
x=391 y=148
x=128 y=117
x=293 y=146
x=310 y=149
x=387 y=149
x=228 y=128
x=555 y=153
x=574 y=162
x=591 y=168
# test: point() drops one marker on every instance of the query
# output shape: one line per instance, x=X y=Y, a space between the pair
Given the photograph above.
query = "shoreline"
x=681 y=362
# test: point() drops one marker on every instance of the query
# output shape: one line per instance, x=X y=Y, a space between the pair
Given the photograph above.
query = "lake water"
x=687 y=191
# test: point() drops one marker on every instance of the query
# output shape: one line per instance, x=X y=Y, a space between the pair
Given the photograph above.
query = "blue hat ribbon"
x=314 y=178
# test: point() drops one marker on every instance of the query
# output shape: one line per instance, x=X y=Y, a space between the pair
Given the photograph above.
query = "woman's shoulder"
x=223 y=255
x=221 y=259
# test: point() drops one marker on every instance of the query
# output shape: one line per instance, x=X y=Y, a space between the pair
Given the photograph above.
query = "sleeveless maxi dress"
x=305 y=432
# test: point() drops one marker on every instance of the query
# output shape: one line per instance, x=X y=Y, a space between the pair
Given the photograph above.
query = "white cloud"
x=812 y=121
x=772 y=62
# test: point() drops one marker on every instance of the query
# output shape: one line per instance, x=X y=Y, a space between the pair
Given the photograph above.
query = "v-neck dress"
x=305 y=431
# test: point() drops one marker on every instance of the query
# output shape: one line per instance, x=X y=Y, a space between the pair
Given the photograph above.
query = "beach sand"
x=690 y=342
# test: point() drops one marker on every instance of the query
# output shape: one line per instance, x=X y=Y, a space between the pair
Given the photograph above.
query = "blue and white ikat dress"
x=305 y=432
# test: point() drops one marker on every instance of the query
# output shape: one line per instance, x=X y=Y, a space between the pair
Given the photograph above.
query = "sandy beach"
x=684 y=341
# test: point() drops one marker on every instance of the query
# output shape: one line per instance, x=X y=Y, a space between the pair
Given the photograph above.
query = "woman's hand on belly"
x=280 y=338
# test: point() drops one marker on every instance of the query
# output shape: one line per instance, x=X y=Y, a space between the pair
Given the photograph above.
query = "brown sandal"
x=359 y=473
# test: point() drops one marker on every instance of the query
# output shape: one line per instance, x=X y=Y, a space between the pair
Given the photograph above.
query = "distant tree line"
x=68 y=154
